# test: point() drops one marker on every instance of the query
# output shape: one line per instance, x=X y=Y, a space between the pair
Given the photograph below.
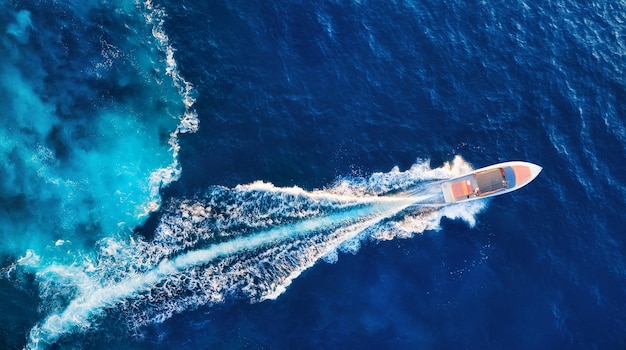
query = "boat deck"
x=476 y=185
x=464 y=187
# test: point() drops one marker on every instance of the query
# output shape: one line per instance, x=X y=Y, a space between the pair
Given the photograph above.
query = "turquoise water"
x=88 y=123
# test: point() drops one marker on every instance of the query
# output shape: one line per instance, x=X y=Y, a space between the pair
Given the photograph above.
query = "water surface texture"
x=237 y=174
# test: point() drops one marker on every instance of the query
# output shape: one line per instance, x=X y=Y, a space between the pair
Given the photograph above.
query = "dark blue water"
x=319 y=101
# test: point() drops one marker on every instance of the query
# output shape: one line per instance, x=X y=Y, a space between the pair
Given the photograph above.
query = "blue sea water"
x=236 y=174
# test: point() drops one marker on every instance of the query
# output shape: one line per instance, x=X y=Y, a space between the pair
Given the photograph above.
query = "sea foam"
x=249 y=242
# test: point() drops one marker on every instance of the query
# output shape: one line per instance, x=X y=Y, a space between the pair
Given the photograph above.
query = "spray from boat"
x=249 y=242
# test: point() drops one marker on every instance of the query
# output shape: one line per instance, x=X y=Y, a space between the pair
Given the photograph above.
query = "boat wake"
x=249 y=242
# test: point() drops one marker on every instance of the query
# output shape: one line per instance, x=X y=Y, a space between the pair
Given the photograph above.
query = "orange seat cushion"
x=462 y=188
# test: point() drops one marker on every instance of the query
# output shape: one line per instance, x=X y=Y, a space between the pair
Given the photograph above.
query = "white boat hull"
x=489 y=181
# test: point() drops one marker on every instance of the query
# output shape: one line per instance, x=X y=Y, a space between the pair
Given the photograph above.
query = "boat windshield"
x=491 y=180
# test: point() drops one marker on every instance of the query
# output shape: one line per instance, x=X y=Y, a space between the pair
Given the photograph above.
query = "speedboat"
x=489 y=181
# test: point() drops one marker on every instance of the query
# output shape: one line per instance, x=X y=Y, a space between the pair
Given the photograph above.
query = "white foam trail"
x=189 y=121
x=337 y=238
x=249 y=242
x=92 y=302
